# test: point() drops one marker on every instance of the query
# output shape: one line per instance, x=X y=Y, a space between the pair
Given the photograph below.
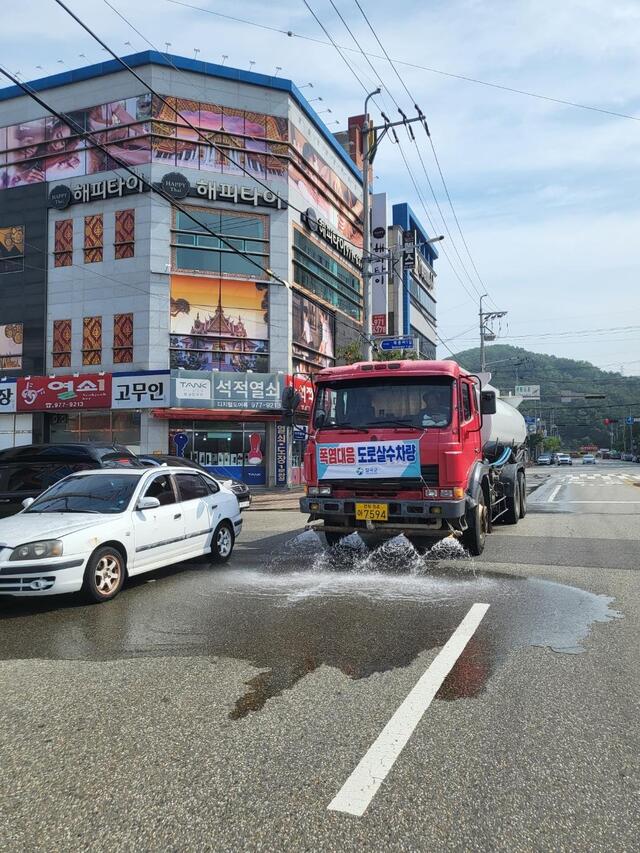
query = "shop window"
x=196 y=250
x=93 y=239
x=63 y=243
x=123 y=338
x=125 y=234
x=92 y=340
x=109 y=427
x=224 y=448
x=11 y=248
x=61 y=343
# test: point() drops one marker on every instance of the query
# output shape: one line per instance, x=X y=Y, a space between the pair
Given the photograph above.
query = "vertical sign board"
x=281 y=455
x=378 y=280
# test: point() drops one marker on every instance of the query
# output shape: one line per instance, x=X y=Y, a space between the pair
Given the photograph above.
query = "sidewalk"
x=276 y=499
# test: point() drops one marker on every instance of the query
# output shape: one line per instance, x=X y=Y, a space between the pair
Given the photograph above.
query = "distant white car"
x=564 y=459
x=588 y=459
x=93 y=529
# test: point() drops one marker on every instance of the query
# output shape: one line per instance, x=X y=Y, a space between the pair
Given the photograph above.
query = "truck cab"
x=397 y=447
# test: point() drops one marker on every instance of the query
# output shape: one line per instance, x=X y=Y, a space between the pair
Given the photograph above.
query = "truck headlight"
x=324 y=490
x=312 y=490
x=37 y=550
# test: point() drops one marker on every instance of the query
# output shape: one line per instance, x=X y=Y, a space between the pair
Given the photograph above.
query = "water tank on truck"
x=504 y=429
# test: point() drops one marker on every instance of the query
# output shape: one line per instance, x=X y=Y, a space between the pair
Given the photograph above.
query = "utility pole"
x=487 y=334
x=368 y=154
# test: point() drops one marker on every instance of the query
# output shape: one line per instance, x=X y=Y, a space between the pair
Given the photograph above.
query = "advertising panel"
x=219 y=308
x=281 y=455
x=313 y=331
x=43 y=393
x=12 y=248
x=249 y=391
x=8 y=389
x=11 y=337
x=140 y=390
x=528 y=392
x=378 y=243
x=368 y=459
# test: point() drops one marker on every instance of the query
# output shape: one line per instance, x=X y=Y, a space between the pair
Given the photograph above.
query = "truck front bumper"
x=427 y=516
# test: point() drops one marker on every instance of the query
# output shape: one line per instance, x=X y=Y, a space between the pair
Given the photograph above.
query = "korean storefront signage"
x=378 y=280
x=62 y=196
x=8 y=396
x=253 y=391
x=177 y=186
x=46 y=393
x=281 y=455
x=322 y=229
x=141 y=390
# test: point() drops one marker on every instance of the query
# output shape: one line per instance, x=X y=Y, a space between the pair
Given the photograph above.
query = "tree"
x=351 y=353
x=552 y=443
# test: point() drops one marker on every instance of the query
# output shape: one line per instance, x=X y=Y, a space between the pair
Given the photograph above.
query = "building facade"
x=167 y=326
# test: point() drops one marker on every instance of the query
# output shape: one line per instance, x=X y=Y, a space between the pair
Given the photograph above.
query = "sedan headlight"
x=37 y=550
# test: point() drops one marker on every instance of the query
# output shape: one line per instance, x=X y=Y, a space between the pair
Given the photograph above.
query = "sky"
x=547 y=195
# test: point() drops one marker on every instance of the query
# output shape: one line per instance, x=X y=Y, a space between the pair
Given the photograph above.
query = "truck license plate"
x=372 y=512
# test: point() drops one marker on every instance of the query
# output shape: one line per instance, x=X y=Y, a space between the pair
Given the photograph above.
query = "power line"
x=169 y=106
x=426 y=127
x=430 y=70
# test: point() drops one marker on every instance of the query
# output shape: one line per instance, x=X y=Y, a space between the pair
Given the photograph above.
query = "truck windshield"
x=417 y=402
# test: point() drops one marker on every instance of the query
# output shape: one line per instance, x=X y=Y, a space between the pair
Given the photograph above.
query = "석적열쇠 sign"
x=368 y=459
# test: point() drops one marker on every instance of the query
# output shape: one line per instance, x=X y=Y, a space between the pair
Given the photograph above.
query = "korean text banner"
x=140 y=390
x=257 y=391
x=368 y=459
x=43 y=393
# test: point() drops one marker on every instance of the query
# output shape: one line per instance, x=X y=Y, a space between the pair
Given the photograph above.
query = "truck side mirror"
x=488 y=402
x=291 y=399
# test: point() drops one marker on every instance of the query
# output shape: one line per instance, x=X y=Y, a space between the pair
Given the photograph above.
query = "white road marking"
x=360 y=788
x=601 y=502
x=553 y=494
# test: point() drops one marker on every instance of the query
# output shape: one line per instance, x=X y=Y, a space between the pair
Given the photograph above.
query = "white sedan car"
x=95 y=528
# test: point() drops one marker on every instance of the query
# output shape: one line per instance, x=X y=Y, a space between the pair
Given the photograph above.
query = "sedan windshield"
x=396 y=402
x=94 y=493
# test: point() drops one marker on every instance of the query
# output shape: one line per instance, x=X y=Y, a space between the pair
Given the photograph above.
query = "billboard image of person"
x=313 y=332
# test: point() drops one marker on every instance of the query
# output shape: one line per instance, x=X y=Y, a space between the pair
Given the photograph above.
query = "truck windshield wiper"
x=398 y=423
x=345 y=426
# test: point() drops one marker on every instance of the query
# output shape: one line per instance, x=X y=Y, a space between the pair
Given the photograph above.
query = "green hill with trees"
x=579 y=420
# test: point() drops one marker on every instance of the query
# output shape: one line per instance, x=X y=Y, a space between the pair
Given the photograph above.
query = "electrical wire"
x=430 y=70
x=203 y=136
x=426 y=128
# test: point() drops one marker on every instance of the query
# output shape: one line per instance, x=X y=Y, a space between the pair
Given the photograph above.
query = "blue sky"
x=547 y=195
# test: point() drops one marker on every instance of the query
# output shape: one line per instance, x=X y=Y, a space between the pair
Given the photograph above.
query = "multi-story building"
x=167 y=326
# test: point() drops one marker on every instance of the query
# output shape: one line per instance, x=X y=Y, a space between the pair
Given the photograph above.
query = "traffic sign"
x=630 y=421
x=397 y=343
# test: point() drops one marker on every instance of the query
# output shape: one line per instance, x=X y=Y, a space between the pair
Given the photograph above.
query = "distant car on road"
x=240 y=490
x=614 y=454
x=94 y=529
x=25 y=472
x=627 y=457
x=564 y=459
x=544 y=459
x=588 y=459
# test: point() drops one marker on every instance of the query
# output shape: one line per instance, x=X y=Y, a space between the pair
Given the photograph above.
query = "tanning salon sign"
x=375 y=459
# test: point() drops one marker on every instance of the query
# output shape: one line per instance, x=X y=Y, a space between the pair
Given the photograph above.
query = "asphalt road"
x=209 y=709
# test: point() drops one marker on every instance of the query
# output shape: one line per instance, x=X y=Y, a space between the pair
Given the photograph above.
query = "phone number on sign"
x=71 y=404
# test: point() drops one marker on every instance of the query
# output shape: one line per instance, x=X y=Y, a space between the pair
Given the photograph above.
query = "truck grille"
x=430 y=474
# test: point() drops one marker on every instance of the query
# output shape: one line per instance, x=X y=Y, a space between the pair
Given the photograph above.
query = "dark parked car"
x=27 y=471
x=240 y=490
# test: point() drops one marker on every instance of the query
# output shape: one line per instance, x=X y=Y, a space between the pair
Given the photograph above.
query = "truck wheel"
x=512 y=514
x=523 y=496
x=474 y=537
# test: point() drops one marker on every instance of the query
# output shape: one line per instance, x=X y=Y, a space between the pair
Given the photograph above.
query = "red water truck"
x=421 y=448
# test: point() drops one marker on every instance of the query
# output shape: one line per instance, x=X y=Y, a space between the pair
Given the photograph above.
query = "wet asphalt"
x=223 y=709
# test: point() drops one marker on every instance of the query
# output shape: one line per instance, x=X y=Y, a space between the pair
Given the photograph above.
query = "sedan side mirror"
x=488 y=402
x=148 y=503
x=26 y=503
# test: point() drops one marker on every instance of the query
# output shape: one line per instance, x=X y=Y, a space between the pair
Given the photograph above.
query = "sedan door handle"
x=178 y=515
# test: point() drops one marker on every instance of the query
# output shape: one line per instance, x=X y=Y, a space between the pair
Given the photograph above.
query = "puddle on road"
x=356 y=610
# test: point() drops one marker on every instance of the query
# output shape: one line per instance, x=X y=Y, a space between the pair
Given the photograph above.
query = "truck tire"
x=474 y=537
x=512 y=515
x=523 y=495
